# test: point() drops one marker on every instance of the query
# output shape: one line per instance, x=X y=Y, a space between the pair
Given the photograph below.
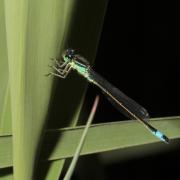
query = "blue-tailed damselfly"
x=131 y=109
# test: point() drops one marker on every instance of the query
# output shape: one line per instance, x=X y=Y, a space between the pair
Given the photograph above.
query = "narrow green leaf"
x=109 y=136
x=100 y=138
x=5 y=109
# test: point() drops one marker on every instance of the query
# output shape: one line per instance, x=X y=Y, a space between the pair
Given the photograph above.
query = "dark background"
x=139 y=54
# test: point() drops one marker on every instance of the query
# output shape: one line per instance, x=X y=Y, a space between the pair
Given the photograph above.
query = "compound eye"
x=70 y=51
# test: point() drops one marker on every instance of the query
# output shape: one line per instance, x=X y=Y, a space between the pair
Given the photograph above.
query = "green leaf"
x=35 y=32
x=100 y=138
x=5 y=109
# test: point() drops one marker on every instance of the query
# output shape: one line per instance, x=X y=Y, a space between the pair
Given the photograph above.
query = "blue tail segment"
x=156 y=132
x=161 y=136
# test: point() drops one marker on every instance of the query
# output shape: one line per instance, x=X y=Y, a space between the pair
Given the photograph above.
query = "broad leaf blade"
x=35 y=33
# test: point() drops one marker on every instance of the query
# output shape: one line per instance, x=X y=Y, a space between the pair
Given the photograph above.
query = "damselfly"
x=131 y=109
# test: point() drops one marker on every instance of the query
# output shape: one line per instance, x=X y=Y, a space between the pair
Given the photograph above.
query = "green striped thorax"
x=77 y=62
